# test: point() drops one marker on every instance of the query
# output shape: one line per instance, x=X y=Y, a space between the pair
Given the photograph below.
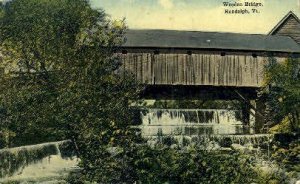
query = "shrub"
x=162 y=164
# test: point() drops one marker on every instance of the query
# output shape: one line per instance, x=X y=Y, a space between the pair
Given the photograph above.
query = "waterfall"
x=36 y=161
x=198 y=126
x=255 y=140
x=174 y=122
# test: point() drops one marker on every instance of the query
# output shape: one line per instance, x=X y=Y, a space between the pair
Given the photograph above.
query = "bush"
x=289 y=156
x=143 y=164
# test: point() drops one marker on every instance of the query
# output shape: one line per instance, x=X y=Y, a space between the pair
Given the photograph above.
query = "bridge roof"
x=209 y=40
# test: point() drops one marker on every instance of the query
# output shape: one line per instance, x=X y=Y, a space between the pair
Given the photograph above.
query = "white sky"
x=201 y=15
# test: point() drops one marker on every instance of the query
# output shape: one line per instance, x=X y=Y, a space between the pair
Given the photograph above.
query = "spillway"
x=191 y=122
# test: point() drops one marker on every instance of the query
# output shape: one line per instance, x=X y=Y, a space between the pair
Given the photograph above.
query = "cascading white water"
x=190 y=122
x=36 y=163
x=200 y=126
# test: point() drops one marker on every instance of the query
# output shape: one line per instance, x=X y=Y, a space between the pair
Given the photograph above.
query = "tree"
x=282 y=92
x=63 y=80
x=36 y=37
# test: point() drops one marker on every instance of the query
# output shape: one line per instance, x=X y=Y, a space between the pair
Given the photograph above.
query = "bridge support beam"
x=252 y=119
x=177 y=92
x=260 y=116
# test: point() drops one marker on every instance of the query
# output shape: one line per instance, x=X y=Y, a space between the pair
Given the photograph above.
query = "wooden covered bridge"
x=208 y=65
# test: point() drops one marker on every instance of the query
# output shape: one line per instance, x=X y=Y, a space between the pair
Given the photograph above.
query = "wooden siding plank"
x=195 y=69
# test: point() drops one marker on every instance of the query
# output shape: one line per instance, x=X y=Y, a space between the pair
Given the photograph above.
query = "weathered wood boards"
x=196 y=69
x=290 y=27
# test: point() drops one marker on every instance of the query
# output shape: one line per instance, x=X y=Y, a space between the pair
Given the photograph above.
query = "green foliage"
x=288 y=157
x=62 y=77
x=161 y=164
x=195 y=166
x=276 y=176
x=40 y=34
x=283 y=127
x=282 y=96
x=63 y=80
x=28 y=114
x=39 y=40
x=282 y=84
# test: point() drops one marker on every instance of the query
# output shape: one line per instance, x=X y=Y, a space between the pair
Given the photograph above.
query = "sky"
x=197 y=15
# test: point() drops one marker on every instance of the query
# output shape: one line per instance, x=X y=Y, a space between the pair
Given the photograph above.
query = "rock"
x=174 y=146
x=238 y=147
x=114 y=150
x=213 y=146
